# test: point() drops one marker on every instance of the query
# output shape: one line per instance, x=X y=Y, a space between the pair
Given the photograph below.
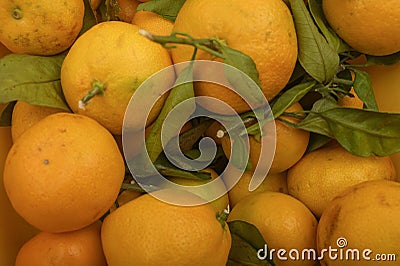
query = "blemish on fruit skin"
x=46 y=162
x=330 y=230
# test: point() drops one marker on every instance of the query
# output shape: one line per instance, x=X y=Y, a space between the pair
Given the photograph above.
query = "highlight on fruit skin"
x=64 y=173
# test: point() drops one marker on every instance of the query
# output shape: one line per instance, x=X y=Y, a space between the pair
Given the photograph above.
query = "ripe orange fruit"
x=3 y=50
x=64 y=173
x=126 y=60
x=127 y=9
x=148 y=231
x=153 y=23
x=368 y=26
x=94 y=4
x=45 y=28
x=272 y=182
x=361 y=218
x=25 y=115
x=283 y=221
x=352 y=102
x=385 y=80
x=14 y=231
x=76 y=248
x=322 y=174
x=125 y=197
x=291 y=144
x=264 y=30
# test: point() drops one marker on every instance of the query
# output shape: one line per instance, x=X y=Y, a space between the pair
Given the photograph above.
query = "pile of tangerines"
x=66 y=173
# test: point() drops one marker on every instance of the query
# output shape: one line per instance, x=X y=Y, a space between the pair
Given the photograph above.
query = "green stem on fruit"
x=210 y=45
x=222 y=217
x=97 y=88
x=16 y=13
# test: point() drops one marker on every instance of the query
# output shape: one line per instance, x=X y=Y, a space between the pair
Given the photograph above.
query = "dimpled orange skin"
x=47 y=27
x=64 y=173
x=126 y=60
x=369 y=26
x=25 y=115
x=75 y=248
x=367 y=217
x=264 y=30
x=150 y=232
x=153 y=23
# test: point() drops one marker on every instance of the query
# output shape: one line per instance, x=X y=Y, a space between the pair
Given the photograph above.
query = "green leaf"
x=298 y=73
x=33 y=79
x=363 y=87
x=317 y=141
x=6 y=114
x=246 y=242
x=316 y=56
x=168 y=9
x=182 y=90
x=165 y=168
x=383 y=60
x=291 y=96
x=89 y=20
x=361 y=132
x=241 y=61
x=188 y=138
x=240 y=152
x=333 y=39
x=242 y=83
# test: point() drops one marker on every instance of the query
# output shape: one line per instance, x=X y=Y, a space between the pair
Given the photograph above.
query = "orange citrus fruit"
x=25 y=115
x=264 y=30
x=127 y=9
x=272 y=182
x=291 y=144
x=368 y=26
x=352 y=102
x=64 y=173
x=75 y=248
x=362 y=222
x=44 y=28
x=148 y=231
x=385 y=80
x=3 y=50
x=153 y=23
x=322 y=174
x=283 y=221
x=125 y=197
x=14 y=231
x=125 y=61
x=94 y=4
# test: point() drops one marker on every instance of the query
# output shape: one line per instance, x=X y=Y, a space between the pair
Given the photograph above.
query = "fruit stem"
x=210 y=45
x=97 y=88
x=16 y=13
x=222 y=217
